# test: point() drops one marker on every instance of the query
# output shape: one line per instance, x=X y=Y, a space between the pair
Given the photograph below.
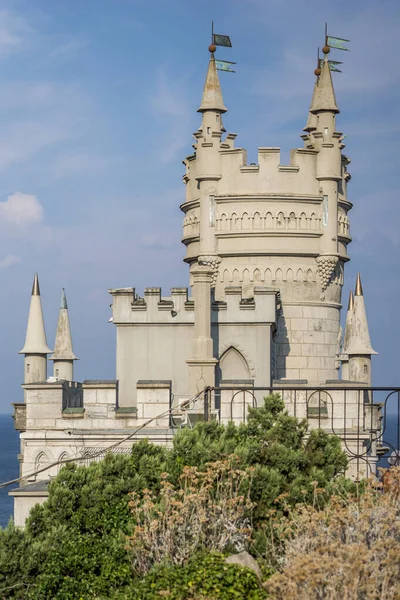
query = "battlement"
x=178 y=308
x=268 y=175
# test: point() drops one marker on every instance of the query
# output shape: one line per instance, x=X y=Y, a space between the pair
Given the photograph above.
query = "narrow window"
x=208 y=130
x=28 y=368
x=212 y=211
x=325 y=211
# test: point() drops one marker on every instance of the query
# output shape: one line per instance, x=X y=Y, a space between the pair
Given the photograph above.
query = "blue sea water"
x=9 y=469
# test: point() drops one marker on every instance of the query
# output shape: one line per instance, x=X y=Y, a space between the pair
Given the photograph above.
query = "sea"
x=9 y=468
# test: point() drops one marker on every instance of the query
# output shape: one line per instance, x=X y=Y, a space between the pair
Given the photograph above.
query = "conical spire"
x=63 y=344
x=358 y=290
x=359 y=342
x=35 y=341
x=311 y=124
x=212 y=95
x=349 y=316
x=324 y=96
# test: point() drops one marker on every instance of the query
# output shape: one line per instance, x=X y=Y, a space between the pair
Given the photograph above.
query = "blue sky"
x=98 y=103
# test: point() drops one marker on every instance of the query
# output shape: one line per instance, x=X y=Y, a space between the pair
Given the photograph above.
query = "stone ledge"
x=153 y=384
x=124 y=412
x=73 y=413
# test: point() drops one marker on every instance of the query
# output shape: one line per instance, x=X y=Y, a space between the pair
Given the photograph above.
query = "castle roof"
x=35 y=341
x=212 y=94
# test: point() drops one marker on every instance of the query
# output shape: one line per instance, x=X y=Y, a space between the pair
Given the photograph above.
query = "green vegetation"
x=158 y=522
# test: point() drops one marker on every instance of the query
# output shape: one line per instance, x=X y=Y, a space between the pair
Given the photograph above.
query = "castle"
x=266 y=245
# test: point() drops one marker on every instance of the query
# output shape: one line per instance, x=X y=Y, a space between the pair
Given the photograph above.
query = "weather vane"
x=218 y=39
x=335 y=43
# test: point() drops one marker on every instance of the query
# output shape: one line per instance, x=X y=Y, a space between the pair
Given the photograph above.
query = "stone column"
x=202 y=364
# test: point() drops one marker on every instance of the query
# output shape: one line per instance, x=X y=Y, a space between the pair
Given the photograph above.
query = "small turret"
x=359 y=347
x=329 y=168
x=35 y=347
x=63 y=355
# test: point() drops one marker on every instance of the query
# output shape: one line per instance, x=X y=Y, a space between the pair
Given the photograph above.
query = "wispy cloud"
x=9 y=261
x=170 y=106
x=13 y=31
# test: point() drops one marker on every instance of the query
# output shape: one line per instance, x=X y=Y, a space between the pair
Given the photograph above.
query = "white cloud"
x=9 y=261
x=21 y=210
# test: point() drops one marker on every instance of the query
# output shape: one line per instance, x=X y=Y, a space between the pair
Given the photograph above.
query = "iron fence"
x=366 y=419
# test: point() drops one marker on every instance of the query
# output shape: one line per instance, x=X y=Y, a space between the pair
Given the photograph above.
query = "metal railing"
x=366 y=419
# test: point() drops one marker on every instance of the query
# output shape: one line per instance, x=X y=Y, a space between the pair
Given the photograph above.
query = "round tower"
x=283 y=227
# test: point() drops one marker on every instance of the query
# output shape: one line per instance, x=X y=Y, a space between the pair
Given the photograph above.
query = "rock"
x=244 y=559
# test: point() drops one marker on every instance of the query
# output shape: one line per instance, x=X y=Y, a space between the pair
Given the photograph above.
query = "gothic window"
x=317 y=406
x=233 y=365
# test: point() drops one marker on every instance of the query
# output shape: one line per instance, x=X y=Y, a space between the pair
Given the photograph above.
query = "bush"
x=75 y=544
x=204 y=577
x=350 y=549
x=209 y=510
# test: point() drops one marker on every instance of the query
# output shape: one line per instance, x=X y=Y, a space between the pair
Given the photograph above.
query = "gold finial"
x=351 y=301
x=326 y=49
x=212 y=48
x=359 y=290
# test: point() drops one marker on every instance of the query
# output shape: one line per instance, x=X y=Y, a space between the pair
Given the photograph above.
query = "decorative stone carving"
x=325 y=268
x=213 y=261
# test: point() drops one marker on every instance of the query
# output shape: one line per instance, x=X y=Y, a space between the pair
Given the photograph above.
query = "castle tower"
x=35 y=348
x=283 y=227
x=63 y=355
x=359 y=349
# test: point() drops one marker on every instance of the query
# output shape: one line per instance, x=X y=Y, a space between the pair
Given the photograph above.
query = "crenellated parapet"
x=178 y=308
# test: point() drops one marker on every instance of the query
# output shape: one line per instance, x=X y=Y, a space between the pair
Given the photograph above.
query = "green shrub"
x=205 y=576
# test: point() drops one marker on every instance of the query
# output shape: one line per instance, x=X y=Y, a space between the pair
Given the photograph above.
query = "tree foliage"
x=75 y=544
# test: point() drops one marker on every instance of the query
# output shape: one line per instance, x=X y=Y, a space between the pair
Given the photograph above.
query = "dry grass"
x=348 y=551
x=208 y=510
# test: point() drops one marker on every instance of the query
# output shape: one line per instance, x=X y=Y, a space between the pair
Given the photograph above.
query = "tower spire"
x=35 y=347
x=359 y=340
x=63 y=355
x=35 y=341
x=324 y=98
x=311 y=124
x=349 y=316
x=359 y=290
x=212 y=94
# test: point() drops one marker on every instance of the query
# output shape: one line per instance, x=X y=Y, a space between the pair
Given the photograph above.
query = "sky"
x=98 y=103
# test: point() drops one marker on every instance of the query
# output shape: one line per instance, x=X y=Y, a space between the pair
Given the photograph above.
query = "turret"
x=329 y=167
x=63 y=355
x=208 y=169
x=35 y=347
x=347 y=337
x=204 y=272
x=359 y=349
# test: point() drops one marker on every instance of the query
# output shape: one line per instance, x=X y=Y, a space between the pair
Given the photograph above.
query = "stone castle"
x=266 y=245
